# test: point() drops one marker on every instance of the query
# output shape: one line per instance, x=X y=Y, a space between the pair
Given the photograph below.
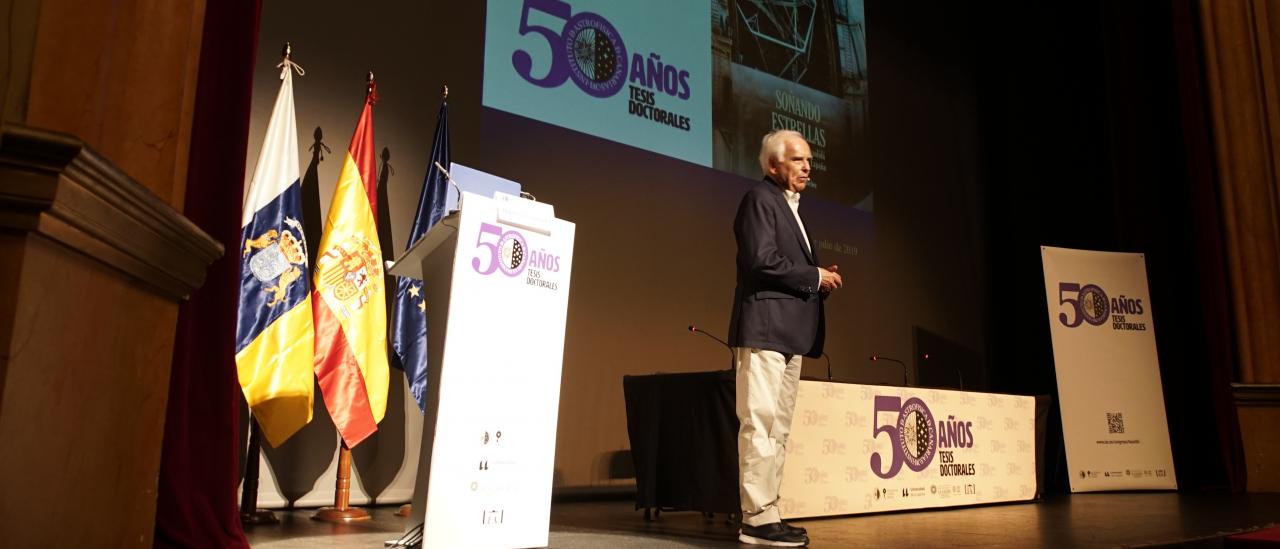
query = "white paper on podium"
x=491 y=455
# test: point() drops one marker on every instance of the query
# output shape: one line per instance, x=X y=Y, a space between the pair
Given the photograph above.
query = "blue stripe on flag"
x=273 y=265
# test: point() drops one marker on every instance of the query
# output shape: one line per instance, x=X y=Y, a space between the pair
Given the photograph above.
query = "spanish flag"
x=274 y=337
x=349 y=299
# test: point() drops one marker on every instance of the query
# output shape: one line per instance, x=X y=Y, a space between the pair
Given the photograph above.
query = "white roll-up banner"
x=1109 y=390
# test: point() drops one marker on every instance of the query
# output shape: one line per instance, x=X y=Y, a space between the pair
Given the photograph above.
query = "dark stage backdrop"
x=1095 y=136
x=991 y=129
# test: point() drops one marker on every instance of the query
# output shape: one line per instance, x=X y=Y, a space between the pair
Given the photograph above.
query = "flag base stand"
x=405 y=510
x=259 y=517
x=342 y=512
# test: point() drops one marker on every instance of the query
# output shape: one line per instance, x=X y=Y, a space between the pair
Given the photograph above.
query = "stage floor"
x=1081 y=520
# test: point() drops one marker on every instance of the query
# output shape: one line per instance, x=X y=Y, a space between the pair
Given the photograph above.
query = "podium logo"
x=509 y=252
x=503 y=251
x=492 y=516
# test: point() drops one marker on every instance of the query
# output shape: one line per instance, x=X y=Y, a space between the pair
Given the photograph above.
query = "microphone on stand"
x=876 y=358
x=449 y=178
x=732 y=358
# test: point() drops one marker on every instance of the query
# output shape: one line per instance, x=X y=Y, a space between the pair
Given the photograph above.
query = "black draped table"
x=683 y=433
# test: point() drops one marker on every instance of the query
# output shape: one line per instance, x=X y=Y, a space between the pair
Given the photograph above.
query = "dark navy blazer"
x=777 y=304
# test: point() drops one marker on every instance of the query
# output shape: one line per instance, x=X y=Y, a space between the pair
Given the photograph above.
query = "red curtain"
x=199 y=468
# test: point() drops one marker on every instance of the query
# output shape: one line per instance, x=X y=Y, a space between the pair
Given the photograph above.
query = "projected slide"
x=698 y=80
x=796 y=65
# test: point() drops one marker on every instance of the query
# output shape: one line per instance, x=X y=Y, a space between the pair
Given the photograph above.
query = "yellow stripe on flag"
x=276 y=373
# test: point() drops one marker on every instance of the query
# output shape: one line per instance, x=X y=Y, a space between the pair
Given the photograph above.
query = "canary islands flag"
x=274 y=337
x=349 y=298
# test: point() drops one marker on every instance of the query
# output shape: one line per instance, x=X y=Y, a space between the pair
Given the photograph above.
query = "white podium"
x=496 y=281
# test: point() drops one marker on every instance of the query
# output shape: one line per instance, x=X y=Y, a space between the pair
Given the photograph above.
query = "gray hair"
x=772 y=146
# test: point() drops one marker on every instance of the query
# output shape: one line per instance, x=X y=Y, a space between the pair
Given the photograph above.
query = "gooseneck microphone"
x=824 y=355
x=732 y=358
x=456 y=188
x=876 y=358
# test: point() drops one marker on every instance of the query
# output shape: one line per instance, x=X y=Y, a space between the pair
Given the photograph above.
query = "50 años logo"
x=914 y=436
x=508 y=252
x=589 y=50
x=1088 y=303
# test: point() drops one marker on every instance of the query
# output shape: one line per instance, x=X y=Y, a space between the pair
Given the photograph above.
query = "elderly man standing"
x=777 y=319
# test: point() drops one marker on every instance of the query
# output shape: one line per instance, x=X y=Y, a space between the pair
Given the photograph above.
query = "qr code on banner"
x=1115 y=423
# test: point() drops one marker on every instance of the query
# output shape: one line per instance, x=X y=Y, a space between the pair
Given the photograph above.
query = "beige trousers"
x=766 y=401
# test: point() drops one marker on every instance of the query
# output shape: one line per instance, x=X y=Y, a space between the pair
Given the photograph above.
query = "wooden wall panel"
x=1258 y=409
x=121 y=76
x=82 y=410
x=92 y=268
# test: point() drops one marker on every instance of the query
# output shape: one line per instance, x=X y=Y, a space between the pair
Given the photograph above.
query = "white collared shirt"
x=793 y=200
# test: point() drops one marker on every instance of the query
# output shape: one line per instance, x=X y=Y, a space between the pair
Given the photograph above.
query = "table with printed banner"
x=496 y=285
x=853 y=448
x=869 y=448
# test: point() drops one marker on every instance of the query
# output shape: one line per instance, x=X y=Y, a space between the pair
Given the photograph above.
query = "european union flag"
x=409 y=314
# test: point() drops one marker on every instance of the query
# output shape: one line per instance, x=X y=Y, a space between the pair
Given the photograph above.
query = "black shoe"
x=774 y=534
x=794 y=528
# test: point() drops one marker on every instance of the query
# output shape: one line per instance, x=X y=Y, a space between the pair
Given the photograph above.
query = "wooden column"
x=92 y=268
x=94 y=259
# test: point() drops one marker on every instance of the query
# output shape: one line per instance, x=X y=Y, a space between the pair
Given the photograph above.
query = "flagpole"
x=407 y=509
x=250 y=515
x=342 y=511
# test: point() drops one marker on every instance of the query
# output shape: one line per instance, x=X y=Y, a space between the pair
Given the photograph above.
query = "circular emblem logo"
x=597 y=57
x=918 y=434
x=1094 y=305
x=511 y=252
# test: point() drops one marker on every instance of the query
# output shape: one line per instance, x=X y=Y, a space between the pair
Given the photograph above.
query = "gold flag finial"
x=371 y=89
x=444 y=91
x=288 y=50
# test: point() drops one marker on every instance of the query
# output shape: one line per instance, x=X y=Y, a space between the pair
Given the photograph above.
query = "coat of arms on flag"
x=347 y=269
x=280 y=259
